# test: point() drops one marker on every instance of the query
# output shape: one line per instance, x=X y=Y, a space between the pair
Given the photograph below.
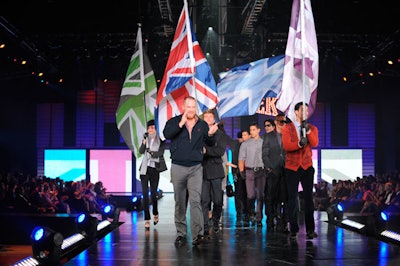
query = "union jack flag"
x=187 y=74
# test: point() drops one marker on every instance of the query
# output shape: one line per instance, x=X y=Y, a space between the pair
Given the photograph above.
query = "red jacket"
x=295 y=156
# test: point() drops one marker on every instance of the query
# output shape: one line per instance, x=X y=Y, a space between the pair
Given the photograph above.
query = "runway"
x=131 y=244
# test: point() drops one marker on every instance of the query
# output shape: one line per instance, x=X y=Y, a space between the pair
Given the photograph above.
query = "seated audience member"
x=102 y=197
x=76 y=200
x=371 y=202
x=321 y=195
x=90 y=198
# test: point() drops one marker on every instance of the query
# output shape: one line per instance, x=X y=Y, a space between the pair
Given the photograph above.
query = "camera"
x=145 y=135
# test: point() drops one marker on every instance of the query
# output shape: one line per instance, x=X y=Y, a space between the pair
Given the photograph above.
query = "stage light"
x=384 y=216
x=135 y=204
x=335 y=212
x=112 y=212
x=46 y=245
x=376 y=224
x=159 y=194
x=87 y=226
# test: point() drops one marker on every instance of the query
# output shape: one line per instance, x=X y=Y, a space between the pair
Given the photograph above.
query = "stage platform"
x=131 y=244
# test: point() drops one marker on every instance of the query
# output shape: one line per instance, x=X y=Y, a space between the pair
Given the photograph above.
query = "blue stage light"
x=87 y=226
x=335 y=212
x=38 y=233
x=111 y=211
x=81 y=217
x=46 y=245
x=107 y=209
x=384 y=216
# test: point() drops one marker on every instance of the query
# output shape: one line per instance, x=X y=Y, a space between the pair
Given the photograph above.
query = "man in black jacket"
x=188 y=135
x=213 y=173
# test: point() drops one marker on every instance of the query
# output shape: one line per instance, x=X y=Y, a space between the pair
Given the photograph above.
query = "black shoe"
x=215 y=226
x=216 y=229
x=180 y=240
x=197 y=240
x=270 y=226
x=285 y=230
x=293 y=235
x=311 y=235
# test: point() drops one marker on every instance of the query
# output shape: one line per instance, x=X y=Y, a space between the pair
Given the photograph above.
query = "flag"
x=138 y=98
x=302 y=42
x=187 y=73
x=242 y=89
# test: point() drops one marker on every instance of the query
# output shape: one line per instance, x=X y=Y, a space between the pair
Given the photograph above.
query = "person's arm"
x=219 y=149
x=142 y=147
x=290 y=139
x=312 y=136
x=160 y=152
x=172 y=127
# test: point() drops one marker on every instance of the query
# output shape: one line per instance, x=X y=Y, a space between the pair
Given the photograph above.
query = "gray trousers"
x=187 y=183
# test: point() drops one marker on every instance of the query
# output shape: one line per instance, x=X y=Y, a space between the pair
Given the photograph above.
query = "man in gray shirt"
x=252 y=167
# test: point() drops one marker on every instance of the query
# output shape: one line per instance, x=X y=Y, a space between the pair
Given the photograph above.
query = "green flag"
x=138 y=98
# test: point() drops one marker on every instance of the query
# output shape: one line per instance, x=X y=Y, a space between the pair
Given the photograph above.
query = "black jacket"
x=186 y=150
x=213 y=164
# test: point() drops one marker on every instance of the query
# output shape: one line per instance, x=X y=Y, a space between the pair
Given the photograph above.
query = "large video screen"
x=68 y=165
x=113 y=168
x=341 y=164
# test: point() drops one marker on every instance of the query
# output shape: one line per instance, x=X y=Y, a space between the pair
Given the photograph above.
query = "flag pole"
x=303 y=44
x=303 y=67
x=141 y=69
x=190 y=47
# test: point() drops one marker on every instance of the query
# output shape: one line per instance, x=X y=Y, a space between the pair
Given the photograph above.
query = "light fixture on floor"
x=335 y=213
x=135 y=204
x=376 y=223
x=159 y=194
x=87 y=226
x=46 y=245
x=112 y=212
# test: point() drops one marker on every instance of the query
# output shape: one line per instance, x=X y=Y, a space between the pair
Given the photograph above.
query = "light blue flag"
x=242 y=89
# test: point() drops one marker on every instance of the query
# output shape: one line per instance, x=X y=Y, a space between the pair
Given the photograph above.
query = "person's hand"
x=212 y=129
x=305 y=125
x=303 y=142
x=183 y=119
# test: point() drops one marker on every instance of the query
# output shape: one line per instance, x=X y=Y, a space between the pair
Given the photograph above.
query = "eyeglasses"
x=268 y=125
x=282 y=122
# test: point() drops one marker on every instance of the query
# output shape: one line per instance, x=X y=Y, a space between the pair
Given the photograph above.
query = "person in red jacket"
x=298 y=138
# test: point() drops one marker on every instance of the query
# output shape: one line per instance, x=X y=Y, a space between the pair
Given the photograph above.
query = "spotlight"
x=335 y=212
x=46 y=245
x=159 y=194
x=87 y=226
x=112 y=212
x=135 y=204
x=376 y=223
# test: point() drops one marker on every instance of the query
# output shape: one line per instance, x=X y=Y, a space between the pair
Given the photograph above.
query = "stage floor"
x=131 y=244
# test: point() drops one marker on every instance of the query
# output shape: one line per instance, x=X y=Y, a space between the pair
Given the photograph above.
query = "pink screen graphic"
x=113 y=168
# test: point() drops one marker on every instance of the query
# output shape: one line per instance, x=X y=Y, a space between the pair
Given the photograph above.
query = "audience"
x=29 y=194
x=33 y=194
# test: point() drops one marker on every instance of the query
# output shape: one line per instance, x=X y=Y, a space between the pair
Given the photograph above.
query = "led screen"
x=113 y=168
x=68 y=165
x=341 y=164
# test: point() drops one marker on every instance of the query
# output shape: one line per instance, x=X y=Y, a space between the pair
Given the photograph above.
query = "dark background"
x=84 y=42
